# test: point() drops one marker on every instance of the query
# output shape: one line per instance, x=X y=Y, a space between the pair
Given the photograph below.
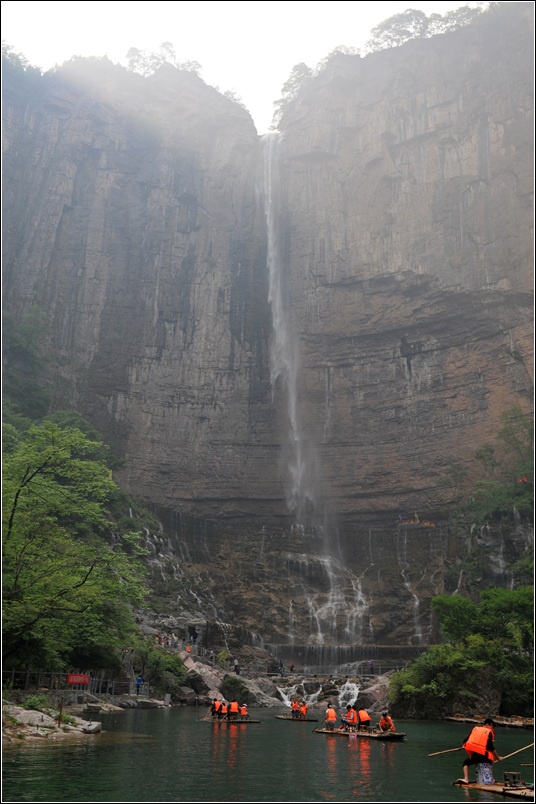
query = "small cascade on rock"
x=332 y=616
x=417 y=636
x=288 y=694
x=348 y=694
x=305 y=691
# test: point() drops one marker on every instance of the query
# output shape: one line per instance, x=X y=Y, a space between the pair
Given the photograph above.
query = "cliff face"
x=139 y=220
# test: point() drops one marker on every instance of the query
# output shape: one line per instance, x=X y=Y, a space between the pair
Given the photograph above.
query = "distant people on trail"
x=236 y=667
x=139 y=683
x=291 y=667
x=371 y=667
x=386 y=723
x=281 y=668
x=330 y=717
x=364 y=719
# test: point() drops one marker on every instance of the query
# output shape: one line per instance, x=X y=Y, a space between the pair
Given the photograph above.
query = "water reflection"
x=170 y=756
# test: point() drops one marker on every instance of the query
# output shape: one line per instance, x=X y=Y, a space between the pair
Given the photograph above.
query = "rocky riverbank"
x=20 y=724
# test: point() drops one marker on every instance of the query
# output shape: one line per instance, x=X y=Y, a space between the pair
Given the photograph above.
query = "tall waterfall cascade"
x=340 y=615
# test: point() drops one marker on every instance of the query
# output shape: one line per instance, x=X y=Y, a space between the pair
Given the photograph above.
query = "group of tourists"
x=355 y=719
x=228 y=710
x=298 y=708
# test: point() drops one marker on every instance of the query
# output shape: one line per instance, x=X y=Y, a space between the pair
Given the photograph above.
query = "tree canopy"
x=69 y=575
x=148 y=62
x=487 y=655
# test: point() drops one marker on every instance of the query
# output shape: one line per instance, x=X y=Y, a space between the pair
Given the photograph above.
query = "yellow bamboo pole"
x=517 y=752
x=445 y=752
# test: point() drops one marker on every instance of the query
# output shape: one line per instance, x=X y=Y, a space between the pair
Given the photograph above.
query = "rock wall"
x=135 y=223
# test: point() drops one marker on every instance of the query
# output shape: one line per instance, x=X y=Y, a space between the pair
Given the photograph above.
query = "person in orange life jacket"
x=223 y=710
x=294 y=707
x=244 y=714
x=350 y=719
x=234 y=710
x=331 y=717
x=480 y=746
x=364 y=719
x=303 y=711
x=215 y=708
x=386 y=724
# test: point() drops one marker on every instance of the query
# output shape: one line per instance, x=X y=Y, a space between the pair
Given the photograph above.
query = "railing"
x=30 y=680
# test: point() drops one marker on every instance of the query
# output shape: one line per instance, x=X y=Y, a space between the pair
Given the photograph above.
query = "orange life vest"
x=243 y=710
x=217 y=706
x=364 y=717
x=223 y=709
x=233 y=707
x=478 y=741
x=294 y=705
x=331 y=714
x=351 y=716
x=387 y=723
x=303 y=709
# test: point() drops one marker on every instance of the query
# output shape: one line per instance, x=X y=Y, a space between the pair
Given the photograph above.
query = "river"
x=169 y=755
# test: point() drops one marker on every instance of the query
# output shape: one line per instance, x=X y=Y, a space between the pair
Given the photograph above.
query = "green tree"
x=68 y=576
x=400 y=28
x=456 y=615
x=165 y=672
x=148 y=62
x=299 y=77
x=412 y=24
x=510 y=461
x=487 y=653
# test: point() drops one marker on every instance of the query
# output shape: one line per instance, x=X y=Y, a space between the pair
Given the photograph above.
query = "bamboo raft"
x=297 y=719
x=509 y=791
x=385 y=736
x=226 y=722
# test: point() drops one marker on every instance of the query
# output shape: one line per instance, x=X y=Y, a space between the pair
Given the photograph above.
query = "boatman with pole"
x=480 y=746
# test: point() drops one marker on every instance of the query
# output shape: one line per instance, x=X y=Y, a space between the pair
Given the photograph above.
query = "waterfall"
x=297 y=690
x=330 y=615
x=348 y=694
x=284 y=354
x=404 y=564
x=309 y=505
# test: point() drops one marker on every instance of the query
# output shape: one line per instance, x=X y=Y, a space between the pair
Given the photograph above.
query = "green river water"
x=169 y=755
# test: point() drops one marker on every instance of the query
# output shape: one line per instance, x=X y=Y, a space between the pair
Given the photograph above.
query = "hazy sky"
x=247 y=47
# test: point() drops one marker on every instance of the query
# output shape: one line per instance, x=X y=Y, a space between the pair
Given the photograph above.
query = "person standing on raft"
x=480 y=745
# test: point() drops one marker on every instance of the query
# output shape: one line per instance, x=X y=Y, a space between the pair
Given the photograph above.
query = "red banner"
x=77 y=678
